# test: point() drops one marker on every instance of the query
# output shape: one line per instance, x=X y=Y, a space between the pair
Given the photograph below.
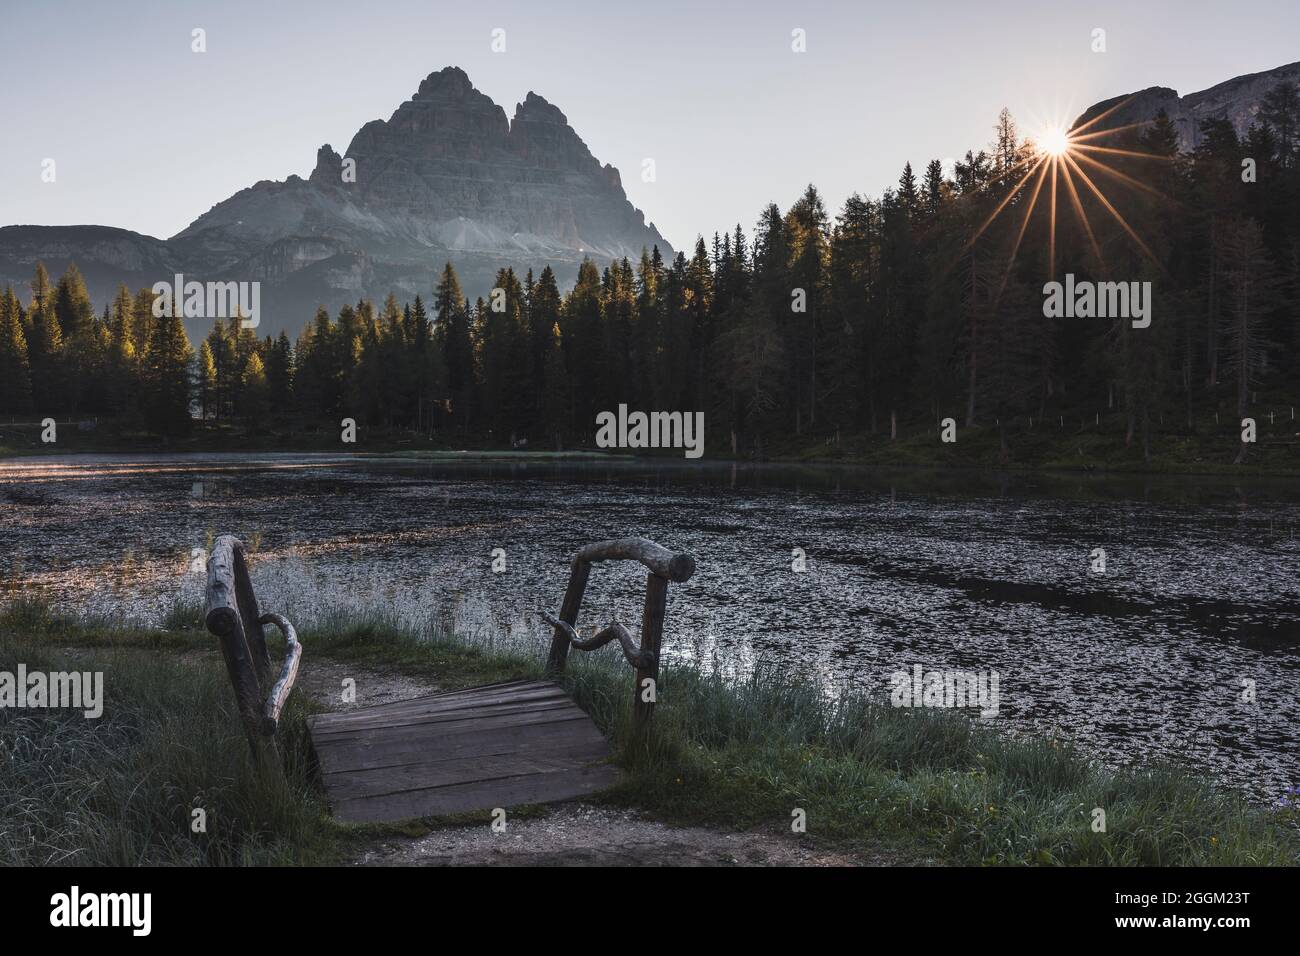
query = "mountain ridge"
x=447 y=177
x=1236 y=100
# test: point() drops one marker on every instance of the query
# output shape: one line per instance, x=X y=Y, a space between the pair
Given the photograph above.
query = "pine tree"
x=167 y=366
x=45 y=346
x=72 y=304
x=279 y=374
x=556 y=392
x=934 y=190
x=207 y=381
x=256 y=392
x=581 y=327
x=123 y=367
x=1254 y=292
x=1279 y=111
x=909 y=199
x=15 y=370
x=543 y=320
x=143 y=321
x=1007 y=154
x=452 y=332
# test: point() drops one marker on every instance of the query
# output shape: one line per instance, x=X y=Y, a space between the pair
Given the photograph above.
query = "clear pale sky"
x=147 y=135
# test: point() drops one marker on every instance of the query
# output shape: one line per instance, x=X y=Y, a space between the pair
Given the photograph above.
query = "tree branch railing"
x=232 y=615
x=663 y=566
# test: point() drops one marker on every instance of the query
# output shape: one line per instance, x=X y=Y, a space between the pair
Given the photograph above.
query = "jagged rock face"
x=448 y=177
x=449 y=171
x=1236 y=100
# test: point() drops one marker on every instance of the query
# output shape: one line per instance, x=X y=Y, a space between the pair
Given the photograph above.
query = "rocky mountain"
x=1236 y=100
x=447 y=177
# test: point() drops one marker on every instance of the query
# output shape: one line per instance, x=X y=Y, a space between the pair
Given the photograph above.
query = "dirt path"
x=579 y=834
x=567 y=834
x=323 y=680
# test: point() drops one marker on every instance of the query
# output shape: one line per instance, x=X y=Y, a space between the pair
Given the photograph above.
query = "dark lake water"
x=949 y=571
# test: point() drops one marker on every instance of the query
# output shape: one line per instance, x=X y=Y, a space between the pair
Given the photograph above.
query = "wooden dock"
x=500 y=745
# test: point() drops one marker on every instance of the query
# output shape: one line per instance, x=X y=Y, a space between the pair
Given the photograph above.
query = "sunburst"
x=1055 y=159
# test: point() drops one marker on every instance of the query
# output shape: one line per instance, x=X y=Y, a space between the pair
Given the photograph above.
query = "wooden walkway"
x=500 y=745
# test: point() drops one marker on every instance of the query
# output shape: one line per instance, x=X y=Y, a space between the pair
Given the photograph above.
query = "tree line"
x=922 y=304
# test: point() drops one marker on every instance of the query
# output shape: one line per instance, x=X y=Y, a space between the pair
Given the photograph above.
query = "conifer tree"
x=167 y=381
x=15 y=370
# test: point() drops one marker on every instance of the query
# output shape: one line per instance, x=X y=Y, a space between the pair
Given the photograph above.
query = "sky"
x=147 y=134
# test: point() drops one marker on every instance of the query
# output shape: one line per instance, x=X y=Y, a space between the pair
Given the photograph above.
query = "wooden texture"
x=652 y=632
x=225 y=619
x=556 y=660
x=279 y=694
x=501 y=745
x=674 y=567
x=615 y=632
x=223 y=606
x=664 y=567
x=232 y=615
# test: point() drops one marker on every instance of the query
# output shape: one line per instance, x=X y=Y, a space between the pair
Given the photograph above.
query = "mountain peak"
x=448 y=177
x=451 y=82
x=1236 y=100
x=536 y=109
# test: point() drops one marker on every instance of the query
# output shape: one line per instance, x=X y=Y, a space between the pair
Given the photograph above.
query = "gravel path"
x=578 y=834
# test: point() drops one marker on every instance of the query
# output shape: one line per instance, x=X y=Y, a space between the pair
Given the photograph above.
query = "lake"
x=952 y=570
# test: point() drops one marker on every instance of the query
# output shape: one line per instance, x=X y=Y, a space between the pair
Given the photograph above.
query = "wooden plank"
x=458 y=722
x=424 y=746
x=419 y=704
x=381 y=751
x=495 y=746
x=483 y=691
x=449 y=723
x=381 y=781
x=544 y=787
x=441 y=695
x=399 y=710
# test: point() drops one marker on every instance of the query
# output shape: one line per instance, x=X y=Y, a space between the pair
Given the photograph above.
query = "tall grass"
x=721 y=751
x=930 y=784
x=122 y=789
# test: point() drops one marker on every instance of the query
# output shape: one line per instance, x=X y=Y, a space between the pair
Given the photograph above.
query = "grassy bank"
x=121 y=790
x=1069 y=444
x=726 y=754
x=1066 y=445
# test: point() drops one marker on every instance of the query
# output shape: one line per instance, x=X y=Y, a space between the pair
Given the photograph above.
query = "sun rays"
x=1053 y=169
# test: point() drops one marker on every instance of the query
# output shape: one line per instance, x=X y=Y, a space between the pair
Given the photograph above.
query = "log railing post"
x=233 y=616
x=559 y=654
x=664 y=566
x=250 y=617
x=646 y=688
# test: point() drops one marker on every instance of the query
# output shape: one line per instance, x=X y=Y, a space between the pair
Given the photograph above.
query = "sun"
x=1053 y=169
x=1054 y=142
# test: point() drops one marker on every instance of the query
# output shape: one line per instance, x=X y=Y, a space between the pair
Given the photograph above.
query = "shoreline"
x=877 y=784
x=397 y=452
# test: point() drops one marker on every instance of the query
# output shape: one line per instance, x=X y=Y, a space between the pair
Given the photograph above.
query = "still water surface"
x=975 y=572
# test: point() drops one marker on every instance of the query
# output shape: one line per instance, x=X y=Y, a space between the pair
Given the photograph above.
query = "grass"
x=121 y=790
x=1080 y=440
x=1094 y=445
x=922 y=785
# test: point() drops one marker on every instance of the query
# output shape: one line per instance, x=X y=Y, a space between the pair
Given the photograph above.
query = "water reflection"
x=944 y=569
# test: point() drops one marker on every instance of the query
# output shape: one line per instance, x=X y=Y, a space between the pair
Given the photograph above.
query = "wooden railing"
x=663 y=566
x=232 y=615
